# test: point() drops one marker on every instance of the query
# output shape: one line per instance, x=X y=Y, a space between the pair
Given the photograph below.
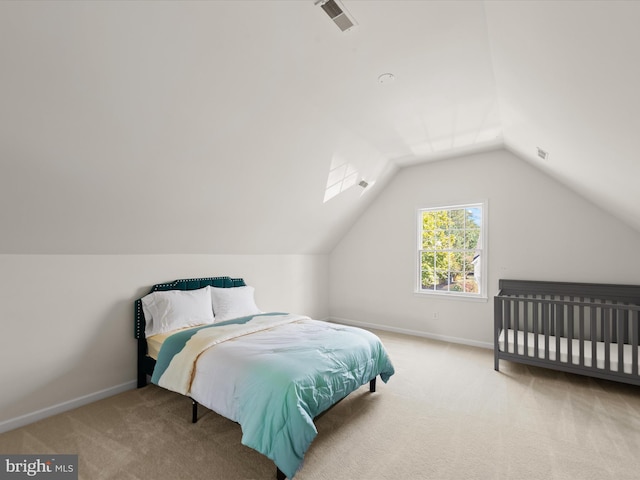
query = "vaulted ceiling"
x=245 y=126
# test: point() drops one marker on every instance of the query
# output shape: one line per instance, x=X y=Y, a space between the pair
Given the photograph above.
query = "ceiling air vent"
x=337 y=14
x=542 y=154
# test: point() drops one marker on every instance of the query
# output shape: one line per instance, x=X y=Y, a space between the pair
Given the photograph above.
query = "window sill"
x=451 y=296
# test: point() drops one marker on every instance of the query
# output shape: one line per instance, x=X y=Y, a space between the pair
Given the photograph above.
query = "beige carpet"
x=446 y=414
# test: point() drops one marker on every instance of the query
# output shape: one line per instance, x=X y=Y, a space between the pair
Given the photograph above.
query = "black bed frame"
x=580 y=315
x=146 y=364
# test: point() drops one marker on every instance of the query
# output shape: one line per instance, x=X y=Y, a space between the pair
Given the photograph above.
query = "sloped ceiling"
x=217 y=127
x=567 y=77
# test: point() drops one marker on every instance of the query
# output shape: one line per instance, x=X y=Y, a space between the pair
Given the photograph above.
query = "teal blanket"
x=273 y=374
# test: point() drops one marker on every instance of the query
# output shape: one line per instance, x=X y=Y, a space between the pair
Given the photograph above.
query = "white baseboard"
x=32 y=417
x=387 y=328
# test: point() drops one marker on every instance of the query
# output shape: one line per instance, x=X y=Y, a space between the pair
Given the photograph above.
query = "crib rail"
x=588 y=329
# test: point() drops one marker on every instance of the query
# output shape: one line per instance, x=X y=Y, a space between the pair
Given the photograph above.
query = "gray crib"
x=584 y=328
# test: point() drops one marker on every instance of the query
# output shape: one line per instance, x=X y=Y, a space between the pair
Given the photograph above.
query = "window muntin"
x=450 y=250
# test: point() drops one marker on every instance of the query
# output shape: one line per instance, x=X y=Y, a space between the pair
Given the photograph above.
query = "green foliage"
x=449 y=242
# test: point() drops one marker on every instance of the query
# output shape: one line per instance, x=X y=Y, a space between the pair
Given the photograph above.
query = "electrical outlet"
x=435 y=315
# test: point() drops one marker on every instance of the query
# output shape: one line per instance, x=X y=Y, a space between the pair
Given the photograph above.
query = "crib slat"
x=536 y=319
x=498 y=306
x=618 y=318
x=547 y=327
x=516 y=319
x=507 y=324
x=570 y=333
x=594 y=337
x=525 y=314
x=605 y=312
x=581 y=309
x=614 y=325
x=625 y=323
x=557 y=329
x=634 y=342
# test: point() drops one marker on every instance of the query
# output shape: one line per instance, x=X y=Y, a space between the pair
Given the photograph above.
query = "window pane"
x=471 y=238
x=474 y=217
x=433 y=239
x=428 y=220
x=457 y=282
x=455 y=238
x=457 y=218
x=428 y=270
x=444 y=239
x=477 y=268
x=468 y=260
x=471 y=285
x=442 y=277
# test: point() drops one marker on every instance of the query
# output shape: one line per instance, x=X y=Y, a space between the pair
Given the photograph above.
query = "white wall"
x=67 y=320
x=538 y=230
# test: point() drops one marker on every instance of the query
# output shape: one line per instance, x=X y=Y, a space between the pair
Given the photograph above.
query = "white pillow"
x=169 y=310
x=233 y=302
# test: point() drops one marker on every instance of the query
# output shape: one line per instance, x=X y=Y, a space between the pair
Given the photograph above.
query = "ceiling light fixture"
x=386 y=78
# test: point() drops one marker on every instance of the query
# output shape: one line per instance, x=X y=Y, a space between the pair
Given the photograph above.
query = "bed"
x=271 y=372
x=583 y=328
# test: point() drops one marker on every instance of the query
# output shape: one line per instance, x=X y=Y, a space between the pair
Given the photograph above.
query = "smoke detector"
x=337 y=13
x=386 y=78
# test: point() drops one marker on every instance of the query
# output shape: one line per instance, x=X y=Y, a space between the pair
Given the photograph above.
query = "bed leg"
x=280 y=475
x=142 y=352
x=496 y=363
x=142 y=379
x=194 y=411
x=372 y=385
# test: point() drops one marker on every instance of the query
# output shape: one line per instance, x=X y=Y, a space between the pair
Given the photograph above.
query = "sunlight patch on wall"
x=342 y=175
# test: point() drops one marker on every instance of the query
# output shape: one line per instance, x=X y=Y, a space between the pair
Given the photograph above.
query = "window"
x=450 y=250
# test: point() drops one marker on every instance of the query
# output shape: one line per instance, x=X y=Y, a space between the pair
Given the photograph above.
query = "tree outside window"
x=450 y=249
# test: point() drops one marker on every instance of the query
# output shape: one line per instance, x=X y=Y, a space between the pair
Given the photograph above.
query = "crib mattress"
x=564 y=350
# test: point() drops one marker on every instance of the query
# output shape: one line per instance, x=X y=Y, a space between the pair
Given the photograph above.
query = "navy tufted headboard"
x=184 y=284
x=146 y=363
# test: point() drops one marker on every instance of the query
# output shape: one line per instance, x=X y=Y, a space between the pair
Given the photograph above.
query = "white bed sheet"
x=564 y=350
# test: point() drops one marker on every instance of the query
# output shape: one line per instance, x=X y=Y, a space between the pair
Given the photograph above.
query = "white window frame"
x=482 y=284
